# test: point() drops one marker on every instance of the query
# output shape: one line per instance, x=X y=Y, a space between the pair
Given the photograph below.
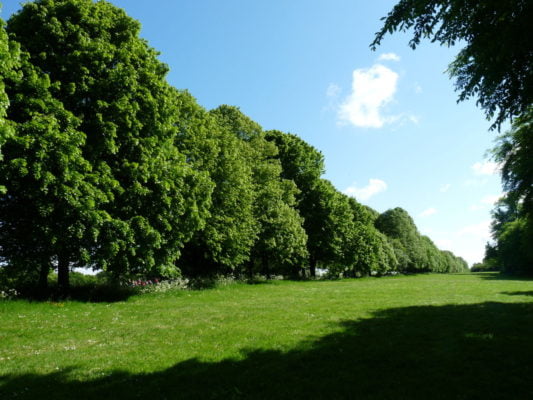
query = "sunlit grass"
x=54 y=348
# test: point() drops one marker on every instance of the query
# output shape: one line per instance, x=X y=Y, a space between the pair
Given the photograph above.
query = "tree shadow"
x=85 y=293
x=524 y=293
x=500 y=276
x=479 y=351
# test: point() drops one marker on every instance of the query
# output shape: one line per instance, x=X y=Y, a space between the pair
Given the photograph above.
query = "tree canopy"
x=111 y=80
x=512 y=225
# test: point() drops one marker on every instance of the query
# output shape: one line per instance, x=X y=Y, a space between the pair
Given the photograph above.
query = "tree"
x=303 y=164
x=495 y=63
x=9 y=57
x=226 y=240
x=512 y=232
x=399 y=226
x=329 y=226
x=514 y=152
x=49 y=212
x=300 y=161
x=112 y=81
x=280 y=245
x=512 y=226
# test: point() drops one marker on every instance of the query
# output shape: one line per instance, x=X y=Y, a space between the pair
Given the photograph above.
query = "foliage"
x=49 y=210
x=397 y=224
x=9 y=53
x=513 y=234
x=495 y=63
x=414 y=252
x=512 y=226
x=225 y=242
x=483 y=267
x=514 y=151
x=280 y=246
x=112 y=81
x=164 y=286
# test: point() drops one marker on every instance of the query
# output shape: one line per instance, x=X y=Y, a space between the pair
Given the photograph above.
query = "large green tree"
x=397 y=224
x=280 y=245
x=372 y=250
x=514 y=151
x=512 y=233
x=494 y=64
x=9 y=60
x=49 y=212
x=226 y=240
x=112 y=81
x=304 y=165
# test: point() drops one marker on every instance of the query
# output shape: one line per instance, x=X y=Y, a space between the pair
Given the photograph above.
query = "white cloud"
x=486 y=168
x=389 y=57
x=486 y=201
x=491 y=199
x=374 y=187
x=414 y=119
x=480 y=230
x=333 y=90
x=427 y=212
x=418 y=88
x=372 y=89
x=444 y=188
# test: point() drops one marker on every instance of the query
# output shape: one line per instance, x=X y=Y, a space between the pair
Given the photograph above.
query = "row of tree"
x=105 y=165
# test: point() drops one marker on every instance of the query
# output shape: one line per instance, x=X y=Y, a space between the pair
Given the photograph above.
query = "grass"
x=464 y=336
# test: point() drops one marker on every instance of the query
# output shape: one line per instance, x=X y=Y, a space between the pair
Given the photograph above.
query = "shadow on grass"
x=525 y=293
x=480 y=351
x=499 y=276
x=88 y=293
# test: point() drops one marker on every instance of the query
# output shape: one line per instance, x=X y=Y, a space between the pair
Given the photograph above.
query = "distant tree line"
x=105 y=165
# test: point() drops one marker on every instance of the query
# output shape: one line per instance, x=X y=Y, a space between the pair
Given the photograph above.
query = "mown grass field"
x=465 y=336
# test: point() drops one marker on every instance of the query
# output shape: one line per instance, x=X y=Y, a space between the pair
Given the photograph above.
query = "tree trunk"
x=250 y=271
x=266 y=268
x=312 y=267
x=42 y=287
x=63 y=274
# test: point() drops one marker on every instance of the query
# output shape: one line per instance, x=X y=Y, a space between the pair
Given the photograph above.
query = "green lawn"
x=465 y=336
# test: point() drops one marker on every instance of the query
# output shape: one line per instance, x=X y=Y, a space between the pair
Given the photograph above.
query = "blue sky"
x=387 y=122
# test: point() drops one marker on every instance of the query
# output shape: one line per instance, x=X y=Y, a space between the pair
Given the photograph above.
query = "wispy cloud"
x=374 y=187
x=372 y=89
x=486 y=202
x=444 y=188
x=389 y=57
x=491 y=199
x=333 y=90
x=480 y=230
x=486 y=168
x=427 y=212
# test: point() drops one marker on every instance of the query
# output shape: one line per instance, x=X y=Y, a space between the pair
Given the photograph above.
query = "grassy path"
x=427 y=336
